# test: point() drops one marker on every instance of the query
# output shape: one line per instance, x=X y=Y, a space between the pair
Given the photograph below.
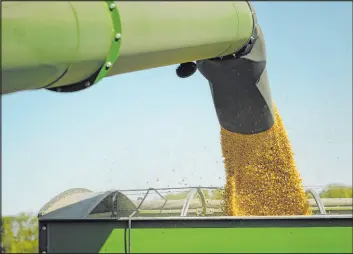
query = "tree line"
x=19 y=233
x=330 y=191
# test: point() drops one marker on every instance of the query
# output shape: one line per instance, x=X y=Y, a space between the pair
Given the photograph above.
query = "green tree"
x=20 y=233
x=337 y=191
x=184 y=194
x=177 y=196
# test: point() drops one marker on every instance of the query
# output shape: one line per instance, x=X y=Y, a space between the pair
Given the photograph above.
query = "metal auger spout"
x=239 y=86
x=68 y=46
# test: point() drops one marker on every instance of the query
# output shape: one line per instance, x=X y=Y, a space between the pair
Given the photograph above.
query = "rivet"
x=44 y=252
x=58 y=90
x=112 y=6
x=108 y=64
x=44 y=228
x=87 y=84
x=117 y=36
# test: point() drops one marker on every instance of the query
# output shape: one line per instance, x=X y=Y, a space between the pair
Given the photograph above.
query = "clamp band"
x=113 y=55
x=116 y=42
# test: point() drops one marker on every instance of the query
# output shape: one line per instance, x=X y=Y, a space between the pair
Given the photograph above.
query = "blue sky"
x=151 y=129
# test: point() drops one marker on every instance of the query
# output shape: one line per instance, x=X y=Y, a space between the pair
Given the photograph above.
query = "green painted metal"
x=233 y=240
x=47 y=41
x=116 y=42
x=53 y=44
x=164 y=33
x=282 y=234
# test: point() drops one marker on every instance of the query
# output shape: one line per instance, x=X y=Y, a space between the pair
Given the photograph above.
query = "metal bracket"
x=113 y=55
x=114 y=213
x=116 y=42
x=43 y=238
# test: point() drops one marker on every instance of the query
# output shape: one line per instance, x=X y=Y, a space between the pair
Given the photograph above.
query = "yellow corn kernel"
x=261 y=176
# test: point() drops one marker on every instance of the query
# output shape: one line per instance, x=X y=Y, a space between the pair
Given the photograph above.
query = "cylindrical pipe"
x=43 y=40
x=157 y=34
x=53 y=44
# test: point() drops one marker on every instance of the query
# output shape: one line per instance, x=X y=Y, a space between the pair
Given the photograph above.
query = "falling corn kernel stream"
x=261 y=175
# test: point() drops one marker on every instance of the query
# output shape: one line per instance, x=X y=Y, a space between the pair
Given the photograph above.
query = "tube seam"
x=116 y=42
x=112 y=56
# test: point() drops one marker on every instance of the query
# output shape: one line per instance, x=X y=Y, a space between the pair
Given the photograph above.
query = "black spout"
x=239 y=86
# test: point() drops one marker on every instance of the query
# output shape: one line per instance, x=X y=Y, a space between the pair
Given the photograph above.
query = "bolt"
x=87 y=84
x=44 y=252
x=112 y=6
x=58 y=89
x=108 y=65
x=117 y=36
x=44 y=228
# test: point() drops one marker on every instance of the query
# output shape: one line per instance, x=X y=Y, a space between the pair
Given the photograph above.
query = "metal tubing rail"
x=317 y=200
